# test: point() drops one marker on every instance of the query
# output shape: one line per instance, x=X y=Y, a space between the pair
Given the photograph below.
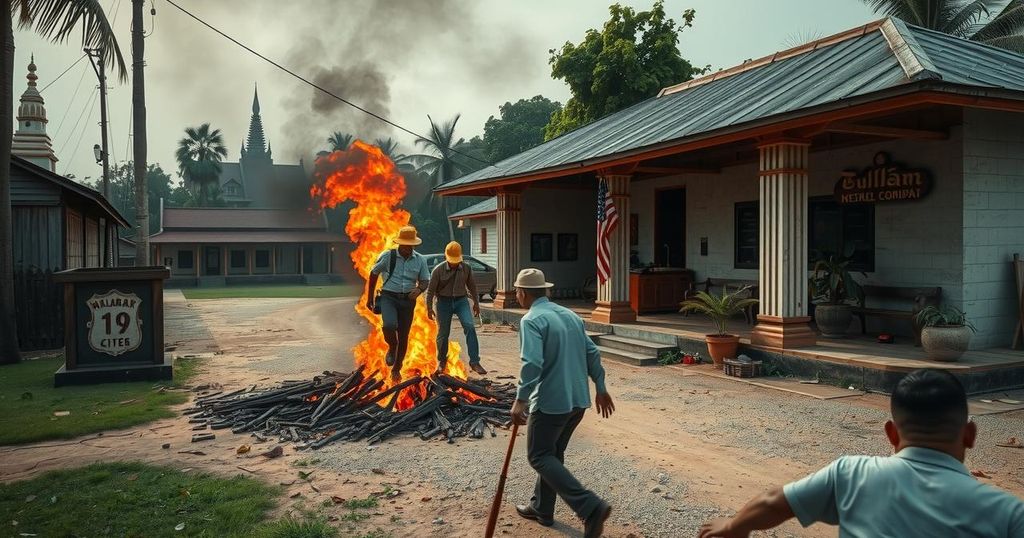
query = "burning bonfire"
x=367 y=403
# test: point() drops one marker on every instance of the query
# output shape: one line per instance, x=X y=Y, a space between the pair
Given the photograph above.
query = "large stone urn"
x=833 y=320
x=946 y=343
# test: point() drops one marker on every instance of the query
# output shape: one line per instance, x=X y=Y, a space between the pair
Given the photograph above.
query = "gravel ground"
x=682 y=448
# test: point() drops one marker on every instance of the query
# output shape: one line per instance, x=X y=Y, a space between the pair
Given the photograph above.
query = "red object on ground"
x=688 y=359
x=886 y=338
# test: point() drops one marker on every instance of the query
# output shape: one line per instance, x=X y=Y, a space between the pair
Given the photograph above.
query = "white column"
x=782 y=291
x=613 y=295
x=508 y=216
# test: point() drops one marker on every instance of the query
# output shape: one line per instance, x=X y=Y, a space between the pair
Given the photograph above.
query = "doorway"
x=211 y=261
x=670 y=227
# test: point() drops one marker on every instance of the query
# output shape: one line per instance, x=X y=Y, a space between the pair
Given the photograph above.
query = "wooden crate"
x=737 y=368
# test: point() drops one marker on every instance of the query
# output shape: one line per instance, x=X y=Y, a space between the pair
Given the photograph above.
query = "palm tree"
x=994 y=22
x=438 y=165
x=339 y=141
x=139 y=135
x=56 y=20
x=389 y=147
x=199 y=155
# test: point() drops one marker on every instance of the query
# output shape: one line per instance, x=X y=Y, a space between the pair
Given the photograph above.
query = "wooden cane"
x=492 y=519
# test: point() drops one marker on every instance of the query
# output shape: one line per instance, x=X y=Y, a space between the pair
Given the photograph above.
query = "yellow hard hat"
x=453 y=252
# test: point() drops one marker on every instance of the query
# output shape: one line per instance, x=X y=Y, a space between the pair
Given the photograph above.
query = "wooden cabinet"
x=658 y=291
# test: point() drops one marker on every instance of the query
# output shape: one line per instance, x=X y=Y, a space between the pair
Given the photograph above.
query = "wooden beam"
x=675 y=170
x=889 y=132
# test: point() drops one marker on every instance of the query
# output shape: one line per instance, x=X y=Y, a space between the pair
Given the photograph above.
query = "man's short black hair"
x=535 y=293
x=929 y=405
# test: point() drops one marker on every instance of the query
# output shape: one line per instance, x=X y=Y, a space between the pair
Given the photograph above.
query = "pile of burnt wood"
x=339 y=406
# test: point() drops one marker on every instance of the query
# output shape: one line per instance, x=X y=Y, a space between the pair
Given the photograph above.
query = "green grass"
x=273 y=291
x=138 y=500
x=28 y=402
x=356 y=504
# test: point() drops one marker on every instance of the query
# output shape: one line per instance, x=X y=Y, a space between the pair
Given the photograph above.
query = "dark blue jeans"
x=396 y=314
x=446 y=307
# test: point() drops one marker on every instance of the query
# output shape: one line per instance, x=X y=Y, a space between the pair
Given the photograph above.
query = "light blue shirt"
x=558 y=356
x=917 y=492
x=407 y=271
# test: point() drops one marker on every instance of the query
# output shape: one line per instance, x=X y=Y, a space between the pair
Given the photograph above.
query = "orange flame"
x=364 y=175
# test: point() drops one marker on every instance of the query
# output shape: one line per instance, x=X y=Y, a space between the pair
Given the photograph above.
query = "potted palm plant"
x=832 y=288
x=945 y=332
x=721 y=345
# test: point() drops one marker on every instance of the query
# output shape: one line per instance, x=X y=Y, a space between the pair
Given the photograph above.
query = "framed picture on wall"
x=568 y=247
x=541 y=248
x=634 y=229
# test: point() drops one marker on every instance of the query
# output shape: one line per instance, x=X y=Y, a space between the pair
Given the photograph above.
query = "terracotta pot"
x=721 y=347
x=833 y=320
x=946 y=343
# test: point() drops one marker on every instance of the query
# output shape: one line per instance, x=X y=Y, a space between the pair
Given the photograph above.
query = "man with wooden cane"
x=558 y=357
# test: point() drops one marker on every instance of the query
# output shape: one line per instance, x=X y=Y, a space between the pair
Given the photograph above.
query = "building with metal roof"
x=898 y=146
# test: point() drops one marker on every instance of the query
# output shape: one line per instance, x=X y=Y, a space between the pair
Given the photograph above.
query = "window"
x=483 y=240
x=568 y=247
x=541 y=248
x=238 y=259
x=185 y=260
x=747 y=229
x=830 y=228
x=262 y=259
x=75 y=241
x=833 y=227
x=92 y=243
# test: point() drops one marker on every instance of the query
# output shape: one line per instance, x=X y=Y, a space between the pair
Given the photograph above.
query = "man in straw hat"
x=451 y=283
x=558 y=357
x=407 y=277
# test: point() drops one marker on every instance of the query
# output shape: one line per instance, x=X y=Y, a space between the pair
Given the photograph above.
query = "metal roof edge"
x=71 y=185
x=908 y=52
x=776 y=57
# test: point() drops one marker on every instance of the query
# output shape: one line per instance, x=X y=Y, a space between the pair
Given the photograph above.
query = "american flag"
x=607 y=218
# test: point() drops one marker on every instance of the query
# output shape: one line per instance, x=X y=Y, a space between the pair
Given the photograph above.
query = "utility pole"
x=96 y=58
x=139 y=130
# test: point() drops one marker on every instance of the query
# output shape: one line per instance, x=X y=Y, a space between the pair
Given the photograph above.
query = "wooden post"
x=199 y=250
x=302 y=269
x=273 y=260
x=1018 y=271
x=250 y=254
x=224 y=256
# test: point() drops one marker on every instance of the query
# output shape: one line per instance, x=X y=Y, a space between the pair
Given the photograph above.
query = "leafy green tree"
x=123 y=189
x=994 y=22
x=629 y=60
x=520 y=127
x=57 y=20
x=339 y=141
x=199 y=155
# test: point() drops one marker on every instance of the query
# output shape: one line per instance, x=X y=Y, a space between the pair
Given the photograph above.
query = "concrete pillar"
x=613 y=295
x=198 y=262
x=273 y=260
x=509 y=213
x=783 y=320
x=224 y=256
x=302 y=270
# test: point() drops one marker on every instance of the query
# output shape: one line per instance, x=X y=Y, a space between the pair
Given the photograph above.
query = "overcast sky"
x=401 y=58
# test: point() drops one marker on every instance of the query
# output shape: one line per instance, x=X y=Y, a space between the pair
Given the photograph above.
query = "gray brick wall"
x=993 y=222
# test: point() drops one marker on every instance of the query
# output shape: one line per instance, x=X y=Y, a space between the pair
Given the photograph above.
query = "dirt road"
x=682 y=447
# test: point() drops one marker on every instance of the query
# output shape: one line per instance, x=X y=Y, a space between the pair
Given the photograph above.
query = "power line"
x=314 y=85
x=88 y=103
x=80 y=58
x=81 y=135
x=70 y=103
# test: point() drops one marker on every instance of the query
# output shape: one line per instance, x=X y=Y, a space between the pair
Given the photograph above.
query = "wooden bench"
x=715 y=286
x=917 y=297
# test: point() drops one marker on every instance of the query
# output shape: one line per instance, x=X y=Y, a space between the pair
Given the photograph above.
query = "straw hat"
x=407 y=236
x=453 y=252
x=532 y=279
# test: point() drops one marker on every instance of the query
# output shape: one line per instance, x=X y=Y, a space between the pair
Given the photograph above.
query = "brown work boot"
x=478 y=369
x=529 y=512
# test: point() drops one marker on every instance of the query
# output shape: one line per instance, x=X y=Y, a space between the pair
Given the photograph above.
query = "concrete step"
x=643 y=347
x=594 y=335
x=628 y=357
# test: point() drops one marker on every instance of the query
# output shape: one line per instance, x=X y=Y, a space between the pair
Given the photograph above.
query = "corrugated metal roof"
x=486 y=207
x=845 y=66
x=196 y=218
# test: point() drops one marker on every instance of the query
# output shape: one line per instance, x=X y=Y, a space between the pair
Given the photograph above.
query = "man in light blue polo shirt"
x=923 y=490
x=407 y=277
x=558 y=357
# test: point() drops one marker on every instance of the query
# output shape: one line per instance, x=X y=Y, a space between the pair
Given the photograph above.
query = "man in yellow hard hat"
x=407 y=277
x=451 y=283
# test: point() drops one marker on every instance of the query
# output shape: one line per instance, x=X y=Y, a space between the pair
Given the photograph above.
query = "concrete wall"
x=556 y=211
x=993 y=222
x=490 y=226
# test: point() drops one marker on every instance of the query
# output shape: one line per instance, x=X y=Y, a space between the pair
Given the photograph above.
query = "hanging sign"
x=885 y=181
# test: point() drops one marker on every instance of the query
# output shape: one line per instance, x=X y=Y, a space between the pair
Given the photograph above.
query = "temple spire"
x=256 y=143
